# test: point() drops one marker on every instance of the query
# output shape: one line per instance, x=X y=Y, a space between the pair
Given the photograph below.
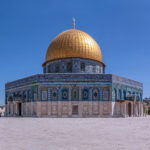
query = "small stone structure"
x=2 y=111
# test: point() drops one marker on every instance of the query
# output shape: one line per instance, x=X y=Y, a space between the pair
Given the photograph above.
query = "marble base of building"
x=76 y=109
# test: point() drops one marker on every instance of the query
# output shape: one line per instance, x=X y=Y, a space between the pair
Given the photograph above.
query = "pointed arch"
x=75 y=94
x=119 y=94
x=115 y=94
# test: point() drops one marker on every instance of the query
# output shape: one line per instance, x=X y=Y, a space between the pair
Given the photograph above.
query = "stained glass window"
x=95 y=93
x=54 y=94
x=82 y=66
x=85 y=94
x=65 y=94
x=49 y=69
x=69 y=67
x=57 y=68
x=75 y=94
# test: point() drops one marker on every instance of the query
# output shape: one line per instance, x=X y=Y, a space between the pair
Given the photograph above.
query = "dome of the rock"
x=74 y=43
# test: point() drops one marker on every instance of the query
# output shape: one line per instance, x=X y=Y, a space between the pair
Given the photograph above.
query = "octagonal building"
x=74 y=84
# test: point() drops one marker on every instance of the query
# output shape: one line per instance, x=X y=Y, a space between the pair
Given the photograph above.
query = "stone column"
x=125 y=109
x=12 y=109
x=80 y=103
x=131 y=109
x=142 y=110
x=113 y=108
x=38 y=109
x=136 y=107
x=59 y=103
x=70 y=108
x=39 y=94
x=16 y=109
x=31 y=107
x=121 y=107
x=49 y=108
x=139 y=109
x=22 y=109
x=70 y=104
x=80 y=108
x=26 y=108
x=101 y=108
x=59 y=108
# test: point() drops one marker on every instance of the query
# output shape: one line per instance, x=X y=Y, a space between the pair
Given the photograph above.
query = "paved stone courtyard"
x=75 y=133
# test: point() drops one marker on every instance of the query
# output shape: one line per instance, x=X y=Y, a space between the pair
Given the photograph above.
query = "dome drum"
x=74 y=65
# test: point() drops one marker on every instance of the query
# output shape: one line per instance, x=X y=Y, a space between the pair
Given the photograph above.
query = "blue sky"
x=121 y=27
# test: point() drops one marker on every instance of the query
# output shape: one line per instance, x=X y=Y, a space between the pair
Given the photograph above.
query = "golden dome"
x=74 y=43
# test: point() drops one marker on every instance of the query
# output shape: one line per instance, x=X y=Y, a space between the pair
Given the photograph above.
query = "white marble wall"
x=85 y=109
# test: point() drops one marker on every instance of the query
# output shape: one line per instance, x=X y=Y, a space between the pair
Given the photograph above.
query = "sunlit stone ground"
x=75 y=134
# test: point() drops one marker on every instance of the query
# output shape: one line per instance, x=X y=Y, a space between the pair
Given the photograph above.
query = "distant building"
x=74 y=84
x=2 y=111
x=146 y=100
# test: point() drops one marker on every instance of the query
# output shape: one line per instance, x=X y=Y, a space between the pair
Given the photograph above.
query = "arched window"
x=133 y=96
x=24 y=96
x=95 y=94
x=65 y=94
x=69 y=67
x=93 y=68
x=124 y=94
x=140 y=96
x=100 y=69
x=119 y=95
x=85 y=94
x=115 y=94
x=82 y=66
x=75 y=94
x=54 y=94
x=129 y=96
x=49 y=69
x=57 y=69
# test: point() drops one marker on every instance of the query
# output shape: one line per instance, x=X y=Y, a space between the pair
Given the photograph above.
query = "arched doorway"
x=129 y=109
x=75 y=110
x=19 y=109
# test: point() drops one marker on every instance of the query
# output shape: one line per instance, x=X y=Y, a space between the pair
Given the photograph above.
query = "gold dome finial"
x=73 y=23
